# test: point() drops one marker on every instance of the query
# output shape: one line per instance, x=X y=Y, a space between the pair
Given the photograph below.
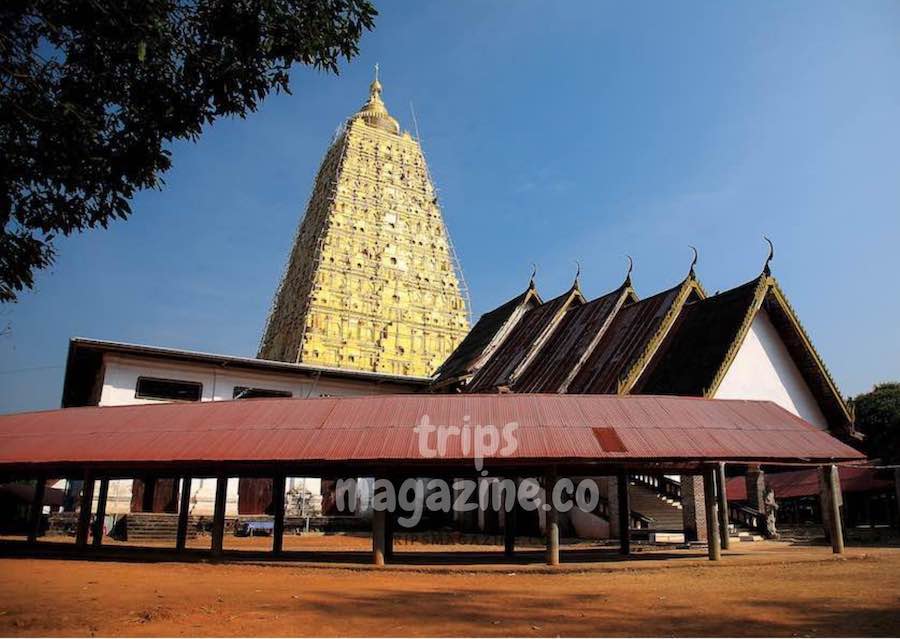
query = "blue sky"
x=555 y=132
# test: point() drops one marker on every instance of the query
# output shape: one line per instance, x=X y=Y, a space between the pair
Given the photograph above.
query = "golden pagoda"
x=372 y=282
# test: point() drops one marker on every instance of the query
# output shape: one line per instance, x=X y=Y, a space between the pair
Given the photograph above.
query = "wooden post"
x=378 y=535
x=832 y=487
x=278 y=512
x=84 y=516
x=723 y=506
x=36 y=514
x=379 y=522
x=101 y=511
x=390 y=523
x=624 y=513
x=510 y=521
x=184 y=511
x=218 y=527
x=552 y=518
x=712 y=518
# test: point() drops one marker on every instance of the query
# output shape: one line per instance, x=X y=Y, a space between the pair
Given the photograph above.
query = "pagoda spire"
x=374 y=112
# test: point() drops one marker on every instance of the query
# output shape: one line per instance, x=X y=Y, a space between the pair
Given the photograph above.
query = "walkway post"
x=218 y=527
x=712 y=518
x=379 y=515
x=278 y=513
x=390 y=523
x=832 y=486
x=624 y=513
x=35 y=515
x=101 y=511
x=84 y=514
x=552 y=518
x=723 y=506
x=510 y=522
x=184 y=510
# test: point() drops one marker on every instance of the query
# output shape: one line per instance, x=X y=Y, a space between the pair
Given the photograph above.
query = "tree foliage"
x=91 y=92
x=878 y=418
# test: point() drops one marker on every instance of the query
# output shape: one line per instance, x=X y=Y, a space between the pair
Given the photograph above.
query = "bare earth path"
x=774 y=590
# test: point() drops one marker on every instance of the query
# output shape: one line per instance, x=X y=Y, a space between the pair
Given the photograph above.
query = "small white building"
x=105 y=373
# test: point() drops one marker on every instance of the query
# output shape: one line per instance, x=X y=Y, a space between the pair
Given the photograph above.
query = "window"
x=245 y=392
x=168 y=389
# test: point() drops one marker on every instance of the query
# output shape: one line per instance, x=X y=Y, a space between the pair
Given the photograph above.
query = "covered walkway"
x=407 y=436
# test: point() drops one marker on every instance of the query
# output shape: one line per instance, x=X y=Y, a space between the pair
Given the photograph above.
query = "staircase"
x=152 y=527
x=663 y=511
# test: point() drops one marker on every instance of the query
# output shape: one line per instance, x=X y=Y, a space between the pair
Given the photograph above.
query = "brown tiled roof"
x=518 y=345
x=698 y=343
x=461 y=361
x=631 y=333
x=569 y=343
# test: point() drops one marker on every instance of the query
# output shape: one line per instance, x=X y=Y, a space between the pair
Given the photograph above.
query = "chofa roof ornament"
x=692 y=274
x=766 y=270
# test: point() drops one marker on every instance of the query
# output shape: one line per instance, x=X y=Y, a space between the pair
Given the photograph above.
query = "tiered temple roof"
x=677 y=342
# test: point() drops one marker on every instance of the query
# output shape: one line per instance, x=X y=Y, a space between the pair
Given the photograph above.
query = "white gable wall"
x=763 y=369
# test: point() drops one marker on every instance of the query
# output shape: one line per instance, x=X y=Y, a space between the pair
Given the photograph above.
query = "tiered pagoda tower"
x=372 y=282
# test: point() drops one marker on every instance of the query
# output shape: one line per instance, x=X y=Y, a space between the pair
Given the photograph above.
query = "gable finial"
x=630 y=268
x=766 y=270
x=533 y=274
x=692 y=273
x=576 y=284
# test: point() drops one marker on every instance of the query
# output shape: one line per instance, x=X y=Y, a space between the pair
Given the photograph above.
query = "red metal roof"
x=352 y=429
x=805 y=483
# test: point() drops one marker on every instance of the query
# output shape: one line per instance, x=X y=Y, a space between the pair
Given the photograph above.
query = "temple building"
x=372 y=282
x=744 y=343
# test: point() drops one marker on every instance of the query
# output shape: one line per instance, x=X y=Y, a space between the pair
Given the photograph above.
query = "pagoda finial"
x=692 y=274
x=628 y=274
x=373 y=112
x=766 y=270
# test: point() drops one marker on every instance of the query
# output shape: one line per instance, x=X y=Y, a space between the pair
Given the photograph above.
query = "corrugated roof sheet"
x=805 y=483
x=517 y=346
x=567 y=345
x=376 y=428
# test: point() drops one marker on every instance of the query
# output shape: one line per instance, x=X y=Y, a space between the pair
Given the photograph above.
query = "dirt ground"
x=758 y=589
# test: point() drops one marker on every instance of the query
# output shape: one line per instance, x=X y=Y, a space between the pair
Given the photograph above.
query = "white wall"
x=120 y=375
x=763 y=369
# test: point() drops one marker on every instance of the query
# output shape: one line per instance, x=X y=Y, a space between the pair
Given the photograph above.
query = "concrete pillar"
x=35 y=515
x=755 y=480
x=693 y=510
x=831 y=484
x=624 y=518
x=712 y=519
x=84 y=516
x=278 y=513
x=510 y=521
x=552 y=527
x=218 y=527
x=101 y=511
x=723 y=506
x=184 y=509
